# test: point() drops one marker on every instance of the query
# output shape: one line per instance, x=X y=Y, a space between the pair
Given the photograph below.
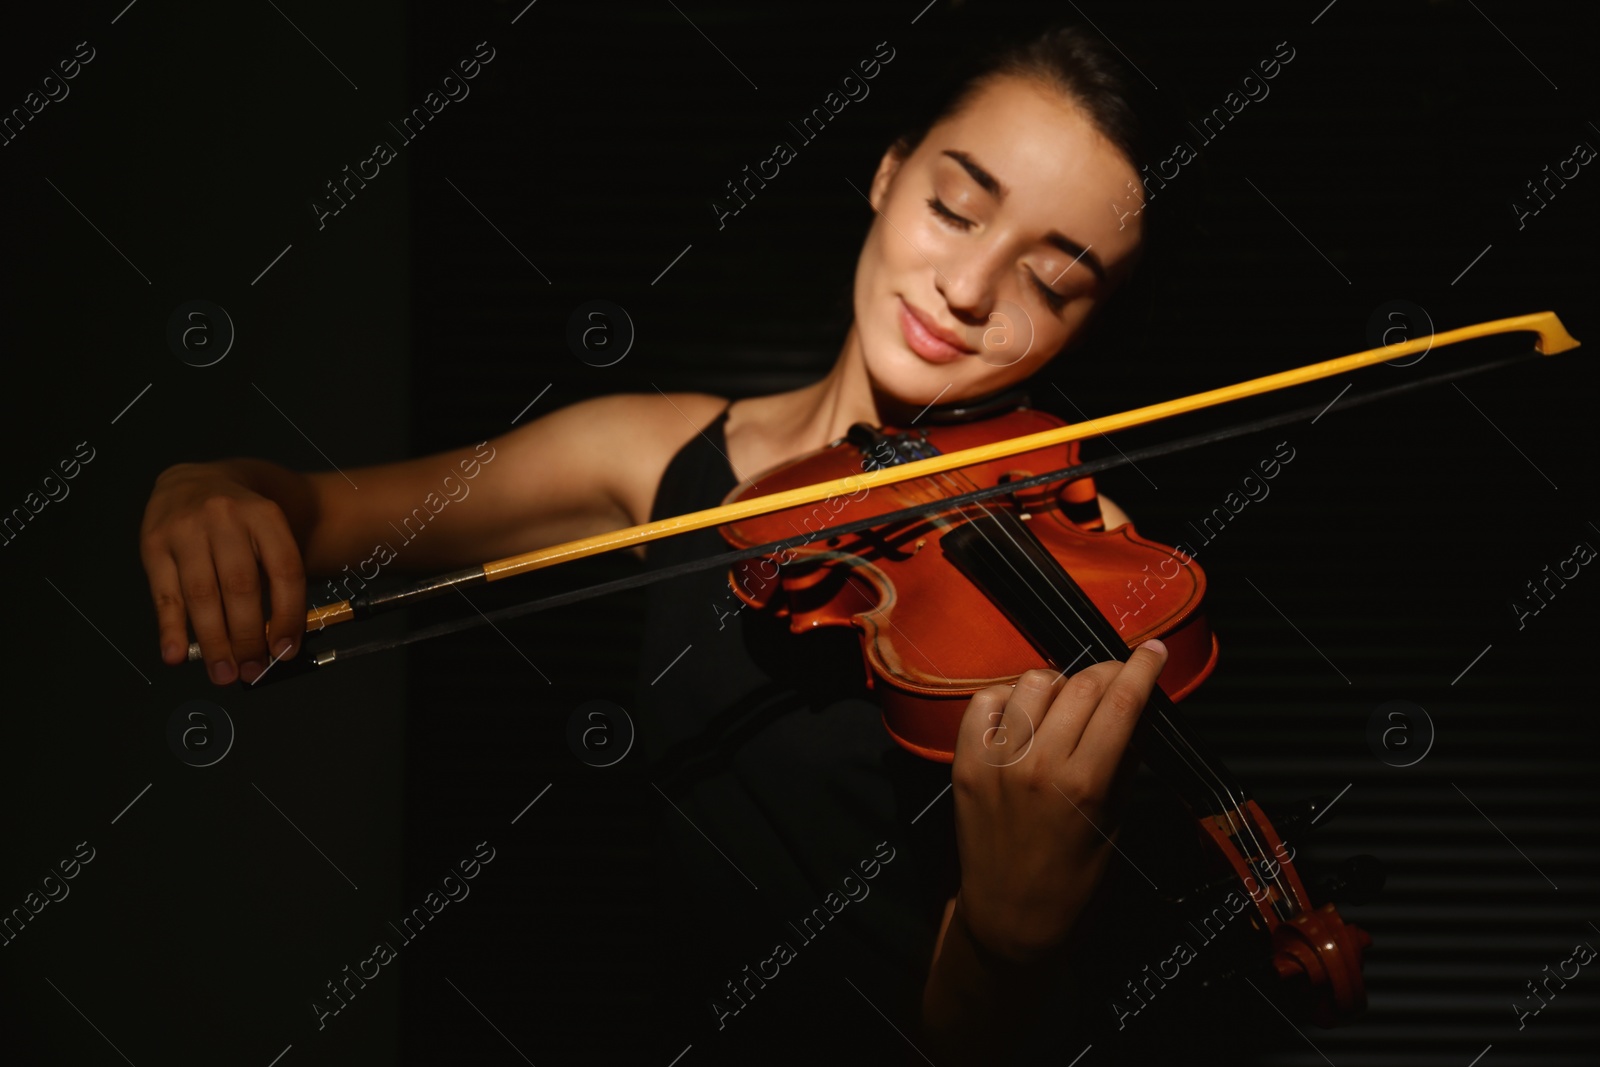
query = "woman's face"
x=993 y=242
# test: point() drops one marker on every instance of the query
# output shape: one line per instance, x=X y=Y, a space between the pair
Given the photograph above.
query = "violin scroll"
x=1319 y=955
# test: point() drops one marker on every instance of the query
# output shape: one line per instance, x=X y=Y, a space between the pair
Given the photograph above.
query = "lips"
x=928 y=339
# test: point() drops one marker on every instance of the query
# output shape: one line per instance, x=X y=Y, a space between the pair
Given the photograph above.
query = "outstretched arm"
x=211 y=531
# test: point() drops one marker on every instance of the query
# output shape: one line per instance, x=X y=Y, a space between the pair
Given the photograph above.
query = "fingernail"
x=283 y=648
x=250 y=670
x=222 y=672
x=1155 y=646
x=171 y=652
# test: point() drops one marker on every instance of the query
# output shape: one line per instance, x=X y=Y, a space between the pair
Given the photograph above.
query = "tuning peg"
x=1355 y=881
x=1300 y=817
x=1202 y=894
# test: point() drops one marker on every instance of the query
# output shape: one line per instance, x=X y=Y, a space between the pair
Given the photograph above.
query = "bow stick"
x=1552 y=339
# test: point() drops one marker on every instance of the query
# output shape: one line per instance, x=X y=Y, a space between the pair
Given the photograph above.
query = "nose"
x=968 y=284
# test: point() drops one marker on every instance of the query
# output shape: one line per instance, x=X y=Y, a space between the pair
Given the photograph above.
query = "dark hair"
x=1120 y=102
x=1076 y=62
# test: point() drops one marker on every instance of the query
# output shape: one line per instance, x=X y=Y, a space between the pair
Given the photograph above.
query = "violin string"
x=1176 y=741
x=1092 y=639
x=1222 y=805
x=1229 y=804
x=1229 y=808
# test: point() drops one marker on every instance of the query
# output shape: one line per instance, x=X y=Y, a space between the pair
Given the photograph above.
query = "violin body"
x=930 y=639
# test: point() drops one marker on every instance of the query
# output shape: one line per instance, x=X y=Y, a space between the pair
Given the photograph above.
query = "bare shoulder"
x=642 y=432
x=580 y=470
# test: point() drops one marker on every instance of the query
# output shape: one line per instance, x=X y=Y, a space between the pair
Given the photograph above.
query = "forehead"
x=1057 y=170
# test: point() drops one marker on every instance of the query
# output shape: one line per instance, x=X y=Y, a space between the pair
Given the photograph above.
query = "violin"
x=895 y=586
x=959 y=598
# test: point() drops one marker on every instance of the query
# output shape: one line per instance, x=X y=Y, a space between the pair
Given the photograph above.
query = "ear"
x=888 y=167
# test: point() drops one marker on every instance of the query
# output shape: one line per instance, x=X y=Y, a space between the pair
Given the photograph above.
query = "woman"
x=1005 y=223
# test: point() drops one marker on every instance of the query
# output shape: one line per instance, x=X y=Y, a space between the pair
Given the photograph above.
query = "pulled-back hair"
x=1118 y=100
x=1076 y=62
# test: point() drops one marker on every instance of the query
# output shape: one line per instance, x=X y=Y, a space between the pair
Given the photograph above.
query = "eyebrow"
x=992 y=185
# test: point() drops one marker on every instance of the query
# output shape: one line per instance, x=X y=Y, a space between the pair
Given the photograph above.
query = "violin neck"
x=1002 y=557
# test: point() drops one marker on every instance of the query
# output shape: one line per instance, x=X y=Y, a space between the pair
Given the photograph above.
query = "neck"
x=826 y=409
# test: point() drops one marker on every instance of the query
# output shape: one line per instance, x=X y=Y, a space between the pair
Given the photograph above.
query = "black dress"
x=802 y=892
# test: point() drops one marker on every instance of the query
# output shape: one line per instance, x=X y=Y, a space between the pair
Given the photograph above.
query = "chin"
x=899 y=374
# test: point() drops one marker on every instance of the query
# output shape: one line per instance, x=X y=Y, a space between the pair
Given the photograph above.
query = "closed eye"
x=1051 y=297
x=947 y=215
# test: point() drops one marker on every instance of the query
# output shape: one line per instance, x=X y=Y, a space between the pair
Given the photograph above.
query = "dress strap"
x=698 y=473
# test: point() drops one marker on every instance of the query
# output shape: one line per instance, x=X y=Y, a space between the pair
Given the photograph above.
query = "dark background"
x=1383 y=562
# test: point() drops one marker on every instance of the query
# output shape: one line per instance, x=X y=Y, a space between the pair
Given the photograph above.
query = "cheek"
x=881 y=273
x=912 y=242
x=1022 y=337
x=896 y=245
